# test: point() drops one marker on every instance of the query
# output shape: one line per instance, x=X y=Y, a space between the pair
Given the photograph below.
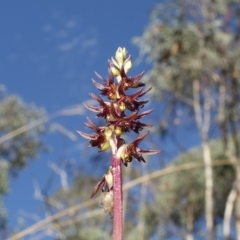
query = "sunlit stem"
x=117 y=199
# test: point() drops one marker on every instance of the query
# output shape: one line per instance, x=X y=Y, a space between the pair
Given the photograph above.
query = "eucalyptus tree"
x=186 y=188
x=195 y=50
x=17 y=151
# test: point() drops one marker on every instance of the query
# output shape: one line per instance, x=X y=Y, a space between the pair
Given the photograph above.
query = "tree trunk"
x=208 y=188
x=203 y=116
x=141 y=223
x=228 y=213
x=189 y=225
x=237 y=201
x=189 y=236
x=127 y=174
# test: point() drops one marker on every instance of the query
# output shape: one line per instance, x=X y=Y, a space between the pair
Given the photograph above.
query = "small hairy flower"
x=106 y=201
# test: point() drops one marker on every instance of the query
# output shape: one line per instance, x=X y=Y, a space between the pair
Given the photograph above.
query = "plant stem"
x=117 y=199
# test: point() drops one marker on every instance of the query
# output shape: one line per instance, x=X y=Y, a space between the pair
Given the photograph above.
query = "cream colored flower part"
x=106 y=201
x=120 y=56
x=121 y=61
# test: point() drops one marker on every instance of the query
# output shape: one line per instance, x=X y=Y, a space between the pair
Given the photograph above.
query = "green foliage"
x=3 y=215
x=87 y=233
x=4 y=169
x=189 y=40
x=14 y=113
x=180 y=196
x=15 y=153
x=76 y=226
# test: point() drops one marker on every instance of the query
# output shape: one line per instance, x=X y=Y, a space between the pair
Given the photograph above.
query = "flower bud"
x=119 y=78
x=122 y=106
x=121 y=55
x=109 y=177
x=127 y=64
x=124 y=154
x=110 y=117
x=115 y=71
x=104 y=146
x=112 y=96
x=118 y=131
x=108 y=133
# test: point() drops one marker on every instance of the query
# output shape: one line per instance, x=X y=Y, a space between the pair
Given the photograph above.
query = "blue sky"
x=49 y=51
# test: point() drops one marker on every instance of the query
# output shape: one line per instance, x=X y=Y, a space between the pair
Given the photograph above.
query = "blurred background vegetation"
x=193 y=48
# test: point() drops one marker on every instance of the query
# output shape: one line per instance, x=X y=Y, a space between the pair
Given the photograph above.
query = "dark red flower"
x=131 y=102
x=103 y=110
x=106 y=183
x=128 y=151
x=109 y=88
x=130 y=82
x=98 y=139
x=131 y=122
